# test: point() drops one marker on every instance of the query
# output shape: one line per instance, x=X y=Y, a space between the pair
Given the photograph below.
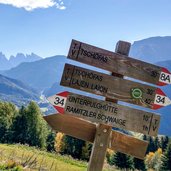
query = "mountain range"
x=13 y=61
x=152 y=49
x=15 y=91
x=45 y=74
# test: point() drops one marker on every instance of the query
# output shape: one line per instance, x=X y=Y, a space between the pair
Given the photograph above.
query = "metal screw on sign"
x=105 y=130
x=101 y=144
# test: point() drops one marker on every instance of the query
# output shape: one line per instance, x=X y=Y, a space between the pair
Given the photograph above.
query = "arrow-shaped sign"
x=84 y=130
x=108 y=113
x=118 y=63
x=114 y=87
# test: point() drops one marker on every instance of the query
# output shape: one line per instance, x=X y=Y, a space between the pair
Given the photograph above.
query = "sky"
x=46 y=27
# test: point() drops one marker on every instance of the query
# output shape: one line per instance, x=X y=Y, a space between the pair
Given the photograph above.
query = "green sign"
x=136 y=93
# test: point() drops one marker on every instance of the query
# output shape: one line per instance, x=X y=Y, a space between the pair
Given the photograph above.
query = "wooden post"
x=104 y=132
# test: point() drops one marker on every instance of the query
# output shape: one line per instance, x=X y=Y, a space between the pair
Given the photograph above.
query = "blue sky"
x=47 y=26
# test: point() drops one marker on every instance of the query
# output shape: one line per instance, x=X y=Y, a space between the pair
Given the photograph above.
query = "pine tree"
x=50 y=142
x=164 y=142
x=139 y=164
x=19 y=127
x=86 y=151
x=151 y=146
x=37 y=130
x=122 y=161
x=8 y=113
x=73 y=146
x=156 y=143
x=166 y=159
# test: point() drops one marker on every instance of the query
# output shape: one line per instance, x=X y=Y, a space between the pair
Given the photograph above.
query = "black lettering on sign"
x=59 y=101
x=156 y=121
x=73 y=51
x=67 y=74
x=145 y=128
x=148 y=101
x=146 y=117
x=154 y=74
x=160 y=99
x=111 y=119
x=80 y=83
x=154 y=128
x=100 y=88
x=165 y=77
x=150 y=91
x=94 y=55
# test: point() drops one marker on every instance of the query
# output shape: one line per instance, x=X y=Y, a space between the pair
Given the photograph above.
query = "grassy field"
x=33 y=159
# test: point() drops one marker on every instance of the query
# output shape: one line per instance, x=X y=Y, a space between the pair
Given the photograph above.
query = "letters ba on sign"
x=108 y=113
x=114 y=87
x=118 y=63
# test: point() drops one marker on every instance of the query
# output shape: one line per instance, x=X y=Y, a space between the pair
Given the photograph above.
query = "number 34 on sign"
x=59 y=101
x=161 y=100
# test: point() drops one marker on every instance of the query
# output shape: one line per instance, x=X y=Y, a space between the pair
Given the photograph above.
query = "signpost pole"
x=103 y=132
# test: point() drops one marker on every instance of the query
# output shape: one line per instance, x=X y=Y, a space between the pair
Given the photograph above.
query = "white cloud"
x=30 y=5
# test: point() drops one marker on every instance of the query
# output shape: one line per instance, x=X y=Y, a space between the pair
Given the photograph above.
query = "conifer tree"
x=8 y=112
x=122 y=161
x=164 y=142
x=139 y=164
x=151 y=145
x=37 y=130
x=73 y=146
x=166 y=159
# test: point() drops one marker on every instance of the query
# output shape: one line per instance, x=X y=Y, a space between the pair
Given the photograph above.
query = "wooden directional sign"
x=108 y=113
x=114 y=87
x=118 y=63
x=86 y=131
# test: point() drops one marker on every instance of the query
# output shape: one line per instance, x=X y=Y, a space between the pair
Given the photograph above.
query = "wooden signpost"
x=110 y=87
x=119 y=63
x=86 y=131
x=108 y=113
x=92 y=120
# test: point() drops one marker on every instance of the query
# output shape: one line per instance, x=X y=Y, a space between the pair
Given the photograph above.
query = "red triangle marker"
x=58 y=101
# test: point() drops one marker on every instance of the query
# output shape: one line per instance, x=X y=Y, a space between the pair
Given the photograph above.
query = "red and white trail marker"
x=59 y=101
x=161 y=100
x=115 y=88
x=108 y=113
x=165 y=77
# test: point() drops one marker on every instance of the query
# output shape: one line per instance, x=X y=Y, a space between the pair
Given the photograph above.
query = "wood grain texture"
x=112 y=114
x=128 y=145
x=114 y=62
x=100 y=145
x=85 y=130
x=106 y=85
x=100 y=153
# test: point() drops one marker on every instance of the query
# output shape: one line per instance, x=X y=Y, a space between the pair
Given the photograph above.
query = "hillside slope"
x=153 y=49
x=15 y=91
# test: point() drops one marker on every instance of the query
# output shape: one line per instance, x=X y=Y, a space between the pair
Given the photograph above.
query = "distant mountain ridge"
x=153 y=49
x=15 y=91
x=6 y=64
x=41 y=74
x=45 y=74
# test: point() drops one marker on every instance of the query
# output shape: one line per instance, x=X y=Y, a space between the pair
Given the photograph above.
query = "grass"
x=33 y=159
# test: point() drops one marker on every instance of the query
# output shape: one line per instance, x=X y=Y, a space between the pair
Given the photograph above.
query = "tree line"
x=27 y=126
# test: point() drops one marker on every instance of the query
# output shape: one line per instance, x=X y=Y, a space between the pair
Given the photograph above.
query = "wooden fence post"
x=103 y=132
